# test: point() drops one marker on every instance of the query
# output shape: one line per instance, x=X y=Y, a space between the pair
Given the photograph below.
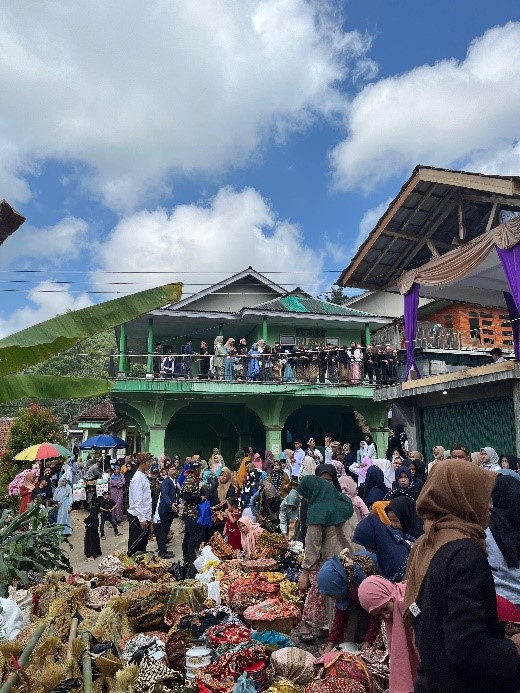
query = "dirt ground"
x=110 y=544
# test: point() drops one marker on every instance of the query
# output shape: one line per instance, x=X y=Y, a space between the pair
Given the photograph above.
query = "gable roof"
x=298 y=301
x=248 y=273
x=435 y=210
x=10 y=220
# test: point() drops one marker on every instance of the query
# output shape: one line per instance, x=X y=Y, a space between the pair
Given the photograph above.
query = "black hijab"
x=513 y=461
x=375 y=489
x=330 y=469
x=504 y=522
x=404 y=508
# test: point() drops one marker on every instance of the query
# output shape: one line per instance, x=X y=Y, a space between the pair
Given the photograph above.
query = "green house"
x=184 y=414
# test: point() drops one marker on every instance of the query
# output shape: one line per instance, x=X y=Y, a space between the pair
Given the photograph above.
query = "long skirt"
x=355 y=369
x=344 y=372
x=92 y=545
x=116 y=494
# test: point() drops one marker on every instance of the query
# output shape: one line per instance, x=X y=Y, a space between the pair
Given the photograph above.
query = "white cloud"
x=451 y=113
x=54 y=244
x=46 y=300
x=131 y=92
x=367 y=223
x=233 y=230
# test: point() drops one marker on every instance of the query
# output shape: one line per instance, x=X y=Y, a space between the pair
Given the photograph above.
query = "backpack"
x=204 y=514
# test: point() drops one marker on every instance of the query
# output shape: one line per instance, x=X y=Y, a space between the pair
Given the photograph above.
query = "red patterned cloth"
x=271 y=609
x=218 y=635
x=220 y=676
x=334 y=684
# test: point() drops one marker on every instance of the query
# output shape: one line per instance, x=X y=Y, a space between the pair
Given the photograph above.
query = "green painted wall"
x=475 y=424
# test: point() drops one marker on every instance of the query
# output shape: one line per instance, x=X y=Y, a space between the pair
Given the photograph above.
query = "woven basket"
x=282 y=625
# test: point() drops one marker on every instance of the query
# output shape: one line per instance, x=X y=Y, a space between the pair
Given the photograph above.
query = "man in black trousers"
x=167 y=510
x=139 y=506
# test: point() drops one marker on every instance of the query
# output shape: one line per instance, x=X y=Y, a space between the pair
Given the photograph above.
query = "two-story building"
x=185 y=414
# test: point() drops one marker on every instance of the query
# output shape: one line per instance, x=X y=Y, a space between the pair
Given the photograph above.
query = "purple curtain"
x=411 y=307
x=514 y=316
x=510 y=260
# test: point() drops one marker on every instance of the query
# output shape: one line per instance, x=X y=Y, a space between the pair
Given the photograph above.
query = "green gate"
x=475 y=424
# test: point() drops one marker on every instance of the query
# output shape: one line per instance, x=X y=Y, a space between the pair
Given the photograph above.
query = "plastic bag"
x=214 y=592
x=206 y=577
x=206 y=555
x=244 y=684
x=11 y=620
x=178 y=571
x=24 y=600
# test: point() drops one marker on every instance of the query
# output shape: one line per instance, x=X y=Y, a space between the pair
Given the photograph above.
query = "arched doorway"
x=201 y=426
x=314 y=421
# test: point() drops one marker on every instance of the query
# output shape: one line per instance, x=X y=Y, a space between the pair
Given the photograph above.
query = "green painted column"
x=273 y=440
x=122 y=350
x=264 y=328
x=156 y=440
x=149 y=364
x=367 y=335
x=221 y=329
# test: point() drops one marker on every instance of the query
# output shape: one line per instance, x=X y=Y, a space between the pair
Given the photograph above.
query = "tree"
x=335 y=295
x=33 y=425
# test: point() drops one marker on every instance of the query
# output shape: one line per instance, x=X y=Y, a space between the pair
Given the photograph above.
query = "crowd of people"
x=397 y=553
x=260 y=362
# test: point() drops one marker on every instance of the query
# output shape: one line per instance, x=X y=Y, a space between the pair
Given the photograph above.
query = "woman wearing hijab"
x=390 y=546
x=249 y=532
x=268 y=461
x=438 y=456
x=253 y=363
x=339 y=578
x=251 y=485
x=489 y=459
x=308 y=466
x=403 y=484
x=63 y=496
x=385 y=599
x=289 y=514
x=330 y=524
x=361 y=469
x=403 y=516
x=92 y=542
x=375 y=488
x=450 y=595
x=242 y=470
x=418 y=471
x=27 y=487
x=279 y=479
x=503 y=538
x=388 y=471
x=116 y=486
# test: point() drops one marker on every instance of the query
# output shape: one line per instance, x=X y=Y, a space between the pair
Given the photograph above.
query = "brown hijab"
x=454 y=504
x=224 y=482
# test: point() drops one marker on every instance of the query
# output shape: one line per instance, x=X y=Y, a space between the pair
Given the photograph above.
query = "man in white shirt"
x=299 y=456
x=139 y=505
x=328 y=448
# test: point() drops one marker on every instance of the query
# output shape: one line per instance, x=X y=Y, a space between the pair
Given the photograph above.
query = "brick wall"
x=478 y=326
x=5 y=427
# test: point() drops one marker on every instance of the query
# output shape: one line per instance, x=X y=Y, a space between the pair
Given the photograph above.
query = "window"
x=487 y=323
x=507 y=334
x=287 y=340
x=488 y=340
x=508 y=342
x=486 y=315
x=487 y=332
x=333 y=341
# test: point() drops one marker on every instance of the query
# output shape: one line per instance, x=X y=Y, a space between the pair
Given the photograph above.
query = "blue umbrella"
x=103 y=442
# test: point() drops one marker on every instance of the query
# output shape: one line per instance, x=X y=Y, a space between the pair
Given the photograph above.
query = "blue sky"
x=208 y=136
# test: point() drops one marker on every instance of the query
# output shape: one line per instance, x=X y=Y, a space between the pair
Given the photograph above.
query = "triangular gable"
x=229 y=295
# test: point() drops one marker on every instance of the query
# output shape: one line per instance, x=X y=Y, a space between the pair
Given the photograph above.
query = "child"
x=92 y=544
x=232 y=530
x=106 y=505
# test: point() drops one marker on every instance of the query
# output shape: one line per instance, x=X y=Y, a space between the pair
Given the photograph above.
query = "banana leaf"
x=21 y=386
x=39 y=342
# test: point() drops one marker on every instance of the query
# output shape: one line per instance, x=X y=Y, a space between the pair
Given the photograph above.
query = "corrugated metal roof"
x=306 y=304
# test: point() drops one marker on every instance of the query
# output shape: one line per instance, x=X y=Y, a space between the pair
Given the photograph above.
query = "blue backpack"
x=204 y=514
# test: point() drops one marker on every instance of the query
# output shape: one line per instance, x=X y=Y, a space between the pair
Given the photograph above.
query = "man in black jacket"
x=168 y=507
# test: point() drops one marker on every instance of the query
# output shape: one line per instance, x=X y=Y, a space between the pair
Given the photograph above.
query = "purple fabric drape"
x=411 y=307
x=510 y=260
x=514 y=316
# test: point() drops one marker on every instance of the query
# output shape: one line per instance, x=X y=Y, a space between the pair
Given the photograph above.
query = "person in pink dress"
x=117 y=484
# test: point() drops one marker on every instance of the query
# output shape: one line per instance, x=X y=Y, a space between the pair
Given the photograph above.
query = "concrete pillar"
x=273 y=440
x=516 y=403
x=149 y=363
x=221 y=329
x=123 y=366
x=156 y=440
x=264 y=328
x=380 y=436
x=367 y=335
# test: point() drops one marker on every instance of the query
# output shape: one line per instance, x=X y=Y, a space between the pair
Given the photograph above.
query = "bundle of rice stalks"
x=120 y=606
x=125 y=678
x=107 y=620
x=108 y=665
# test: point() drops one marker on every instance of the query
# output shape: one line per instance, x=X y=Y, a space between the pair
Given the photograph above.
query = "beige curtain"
x=460 y=262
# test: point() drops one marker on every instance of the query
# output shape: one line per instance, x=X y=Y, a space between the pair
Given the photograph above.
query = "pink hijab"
x=249 y=534
x=257 y=461
x=361 y=471
x=404 y=659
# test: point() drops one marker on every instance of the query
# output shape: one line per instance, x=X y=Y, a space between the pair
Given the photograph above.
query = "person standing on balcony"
x=369 y=362
x=187 y=359
x=218 y=359
x=140 y=506
x=204 y=359
x=356 y=366
x=253 y=363
x=229 y=360
x=157 y=361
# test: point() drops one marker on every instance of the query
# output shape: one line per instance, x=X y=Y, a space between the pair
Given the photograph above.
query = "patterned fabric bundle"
x=272 y=609
x=152 y=673
x=270 y=545
x=282 y=686
x=344 y=665
x=253 y=584
x=292 y=664
x=259 y=565
x=188 y=593
x=220 y=676
x=147 y=606
x=377 y=661
x=333 y=684
x=220 y=548
x=217 y=635
x=111 y=565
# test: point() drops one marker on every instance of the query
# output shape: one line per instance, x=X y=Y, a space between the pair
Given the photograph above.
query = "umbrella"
x=42 y=451
x=16 y=484
x=103 y=442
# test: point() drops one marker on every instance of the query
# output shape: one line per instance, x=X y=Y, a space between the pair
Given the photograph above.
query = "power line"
x=204 y=271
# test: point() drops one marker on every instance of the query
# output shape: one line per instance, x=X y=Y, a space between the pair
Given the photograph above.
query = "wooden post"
x=122 y=350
